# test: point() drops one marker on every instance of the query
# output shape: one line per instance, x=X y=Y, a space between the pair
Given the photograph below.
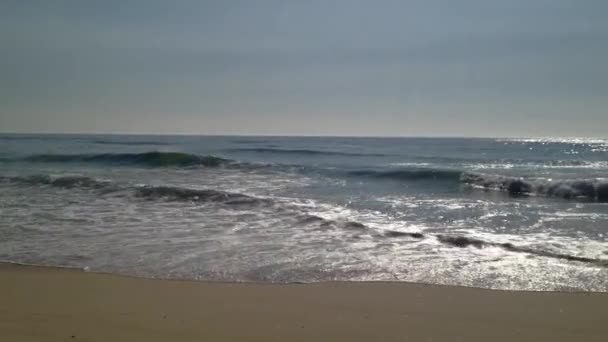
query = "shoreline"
x=42 y=303
x=4 y=263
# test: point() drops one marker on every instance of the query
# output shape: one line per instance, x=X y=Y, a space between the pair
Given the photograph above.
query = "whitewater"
x=520 y=214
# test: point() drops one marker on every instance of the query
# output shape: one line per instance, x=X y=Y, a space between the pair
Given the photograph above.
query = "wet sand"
x=50 y=304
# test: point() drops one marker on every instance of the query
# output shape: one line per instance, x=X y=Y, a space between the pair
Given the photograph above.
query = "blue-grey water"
x=525 y=214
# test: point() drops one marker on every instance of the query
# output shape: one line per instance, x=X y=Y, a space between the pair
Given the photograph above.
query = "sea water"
x=523 y=214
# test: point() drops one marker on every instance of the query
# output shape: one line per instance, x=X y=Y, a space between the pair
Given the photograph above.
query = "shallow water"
x=527 y=214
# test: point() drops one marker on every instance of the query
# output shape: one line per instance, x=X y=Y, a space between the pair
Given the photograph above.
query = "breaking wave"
x=239 y=200
x=150 y=159
x=463 y=241
x=195 y=195
x=591 y=190
x=167 y=193
x=451 y=240
x=59 y=181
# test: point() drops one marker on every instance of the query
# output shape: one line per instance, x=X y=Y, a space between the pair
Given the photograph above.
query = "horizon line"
x=304 y=136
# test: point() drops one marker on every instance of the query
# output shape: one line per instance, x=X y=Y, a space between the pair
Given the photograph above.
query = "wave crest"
x=150 y=159
x=594 y=190
x=170 y=193
x=195 y=195
x=59 y=181
x=463 y=241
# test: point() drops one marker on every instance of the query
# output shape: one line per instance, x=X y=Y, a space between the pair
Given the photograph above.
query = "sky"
x=315 y=67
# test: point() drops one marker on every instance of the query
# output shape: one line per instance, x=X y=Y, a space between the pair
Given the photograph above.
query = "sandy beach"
x=50 y=304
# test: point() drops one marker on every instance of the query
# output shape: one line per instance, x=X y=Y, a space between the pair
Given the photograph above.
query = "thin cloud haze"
x=467 y=68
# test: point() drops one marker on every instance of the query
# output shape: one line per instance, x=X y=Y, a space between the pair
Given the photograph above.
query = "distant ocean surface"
x=523 y=214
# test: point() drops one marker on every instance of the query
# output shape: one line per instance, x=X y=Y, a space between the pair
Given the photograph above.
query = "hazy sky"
x=307 y=67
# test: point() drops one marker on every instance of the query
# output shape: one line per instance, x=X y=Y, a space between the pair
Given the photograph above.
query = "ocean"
x=518 y=214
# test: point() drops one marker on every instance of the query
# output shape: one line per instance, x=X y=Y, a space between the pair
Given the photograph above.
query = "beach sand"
x=51 y=304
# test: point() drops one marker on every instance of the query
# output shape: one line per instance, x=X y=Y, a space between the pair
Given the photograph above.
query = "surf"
x=149 y=159
x=581 y=189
